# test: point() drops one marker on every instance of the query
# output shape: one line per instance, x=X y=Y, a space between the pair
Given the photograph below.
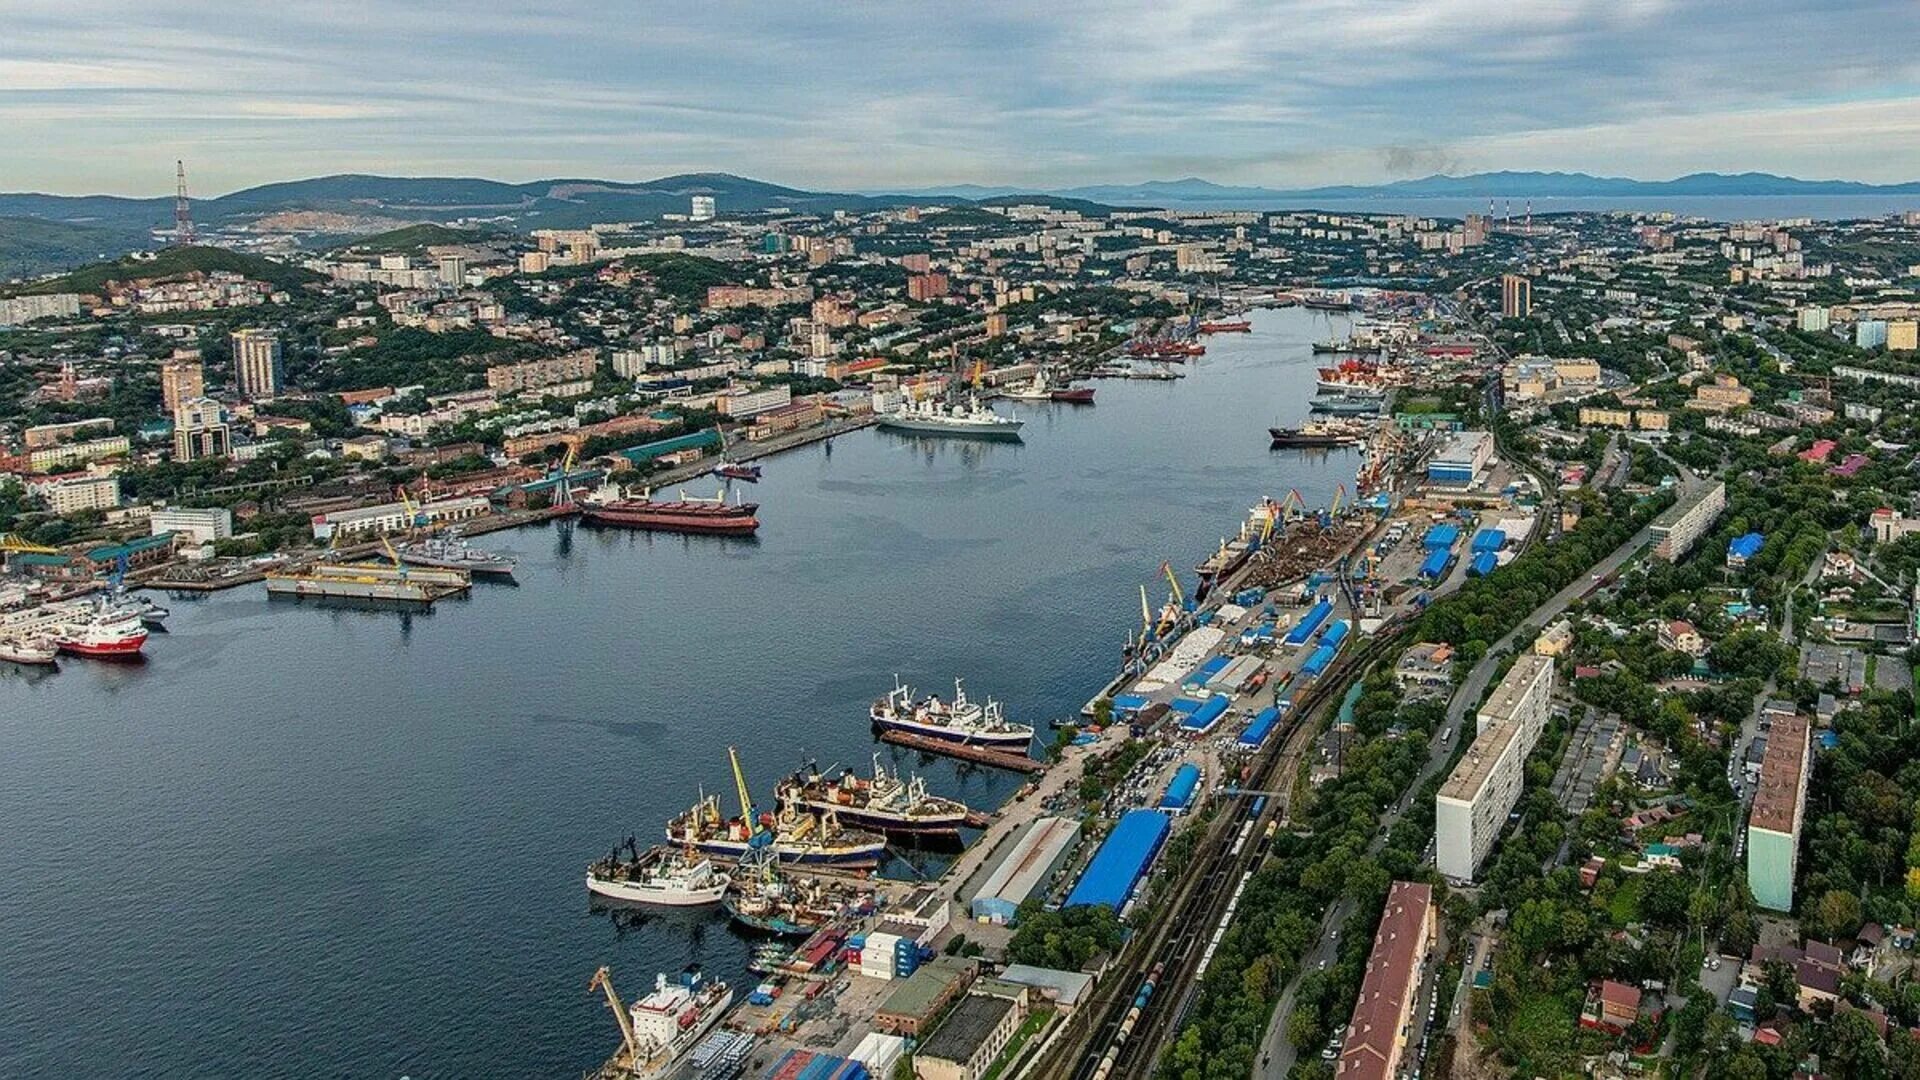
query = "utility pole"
x=182 y=210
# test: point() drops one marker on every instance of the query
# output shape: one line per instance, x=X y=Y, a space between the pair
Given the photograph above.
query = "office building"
x=182 y=376
x=1680 y=526
x=702 y=208
x=200 y=430
x=257 y=372
x=202 y=526
x=1516 y=296
x=1383 y=1019
x=1459 y=462
x=1779 y=810
x=1473 y=804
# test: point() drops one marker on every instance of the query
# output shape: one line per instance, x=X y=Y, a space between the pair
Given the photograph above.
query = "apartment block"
x=1681 y=525
x=1779 y=810
x=1472 y=806
x=1383 y=1020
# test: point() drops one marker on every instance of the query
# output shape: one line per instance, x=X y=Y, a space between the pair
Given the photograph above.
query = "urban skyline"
x=1289 y=95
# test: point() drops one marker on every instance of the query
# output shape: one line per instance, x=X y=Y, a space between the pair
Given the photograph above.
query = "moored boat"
x=452 y=552
x=960 y=721
x=885 y=802
x=660 y=1029
x=972 y=420
x=659 y=875
x=30 y=651
x=686 y=515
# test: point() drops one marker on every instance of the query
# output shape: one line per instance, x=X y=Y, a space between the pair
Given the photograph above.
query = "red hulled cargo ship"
x=682 y=515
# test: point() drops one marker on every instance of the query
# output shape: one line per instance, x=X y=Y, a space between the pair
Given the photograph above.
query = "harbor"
x=596 y=701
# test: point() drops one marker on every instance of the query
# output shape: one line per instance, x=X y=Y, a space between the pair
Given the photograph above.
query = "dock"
x=999 y=759
x=413 y=584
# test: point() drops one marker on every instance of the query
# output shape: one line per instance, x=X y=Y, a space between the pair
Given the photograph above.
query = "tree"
x=1837 y=914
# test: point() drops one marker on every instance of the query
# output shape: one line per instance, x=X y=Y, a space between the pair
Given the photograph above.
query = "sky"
x=102 y=96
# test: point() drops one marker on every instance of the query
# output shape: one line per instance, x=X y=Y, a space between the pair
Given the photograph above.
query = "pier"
x=999 y=759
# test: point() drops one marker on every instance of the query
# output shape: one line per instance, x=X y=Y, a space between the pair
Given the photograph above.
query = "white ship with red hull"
x=80 y=628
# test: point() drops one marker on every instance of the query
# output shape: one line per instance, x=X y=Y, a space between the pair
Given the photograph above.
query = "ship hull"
x=1284 y=439
x=884 y=821
x=1000 y=740
x=476 y=567
x=773 y=924
x=116 y=649
x=653 y=893
x=1079 y=395
x=662 y=520
x=851 y=855
x=961 y=430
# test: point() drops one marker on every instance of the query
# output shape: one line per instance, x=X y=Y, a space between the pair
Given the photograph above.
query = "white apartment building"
x=200 y=525
x=1473 y=804
x=1681 y=525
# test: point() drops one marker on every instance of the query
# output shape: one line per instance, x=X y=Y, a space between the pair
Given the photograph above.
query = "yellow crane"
x=1173 y=582
x=740 y=786
x=1146 y=615
x=603 y=980
x=14 y=543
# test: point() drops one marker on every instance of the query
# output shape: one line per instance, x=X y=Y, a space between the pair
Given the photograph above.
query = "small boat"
x=734 y=470
x=659 y=875
x=34 y=651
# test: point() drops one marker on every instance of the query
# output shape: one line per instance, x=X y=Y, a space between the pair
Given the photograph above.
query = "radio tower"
x=1529 y=217
x=182 y=210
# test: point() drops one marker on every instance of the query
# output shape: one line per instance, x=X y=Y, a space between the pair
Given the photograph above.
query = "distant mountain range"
x=1515 y=185
x=41 y=232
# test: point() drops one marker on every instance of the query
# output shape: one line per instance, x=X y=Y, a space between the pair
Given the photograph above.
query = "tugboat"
x=734 y=470
x=962 y=721
x=885 y=802
x=793 y=836
x=660 y=1029
x=659 y=875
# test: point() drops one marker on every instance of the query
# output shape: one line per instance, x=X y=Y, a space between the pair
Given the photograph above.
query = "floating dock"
x=412 y=584
x=999 y=759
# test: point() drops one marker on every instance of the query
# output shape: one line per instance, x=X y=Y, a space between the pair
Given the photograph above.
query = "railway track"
x=1143 y=1003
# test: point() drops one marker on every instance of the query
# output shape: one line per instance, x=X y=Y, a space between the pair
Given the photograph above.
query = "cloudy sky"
x=101 y=96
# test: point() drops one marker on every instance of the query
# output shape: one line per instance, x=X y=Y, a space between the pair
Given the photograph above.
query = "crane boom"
x=603 y=980
x=740 y=785
x=1173 y=581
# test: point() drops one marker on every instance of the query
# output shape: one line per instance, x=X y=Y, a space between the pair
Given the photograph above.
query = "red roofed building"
x=1612 y=1006
x=1377 y=1033
x=1819 y=451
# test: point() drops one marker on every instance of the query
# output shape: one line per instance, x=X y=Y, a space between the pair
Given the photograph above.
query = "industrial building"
x=392 y=517
x=1382 y=1016
x=972 y=1036
x=1680 y=526
x=1779 y=810
x=1472 y=806
x=1181 y=789
x=921 y=997
x=1122 y=861
x=1037 y=852
x=1460 y=461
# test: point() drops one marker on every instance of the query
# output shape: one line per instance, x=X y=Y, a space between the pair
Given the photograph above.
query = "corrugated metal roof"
x=1123 y=859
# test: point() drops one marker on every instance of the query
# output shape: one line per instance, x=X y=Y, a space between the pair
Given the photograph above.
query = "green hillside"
x=685 y=276
x=414 y=238
x=30 y=246
x=177 y=262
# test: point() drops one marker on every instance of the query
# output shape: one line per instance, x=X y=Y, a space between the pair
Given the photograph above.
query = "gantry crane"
x=603 y=980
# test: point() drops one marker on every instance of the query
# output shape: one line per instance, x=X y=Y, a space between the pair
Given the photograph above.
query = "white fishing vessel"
x=659 y=875
x=959 y=721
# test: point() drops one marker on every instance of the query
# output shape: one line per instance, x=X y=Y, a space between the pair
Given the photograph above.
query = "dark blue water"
x=302 y=841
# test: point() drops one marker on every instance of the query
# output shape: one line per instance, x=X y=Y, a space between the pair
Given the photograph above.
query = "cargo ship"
x=1230 y=326
x=1352 y=378
x=660 y=875
x=734 y=470
x=683 y=515
x=961 y=721
x=1165 y=349
x=885 y=802
x=83 y=627
x=662 y=1028
x=452 y=552
x=1073 y=395
x=972 y=420
x=1229 y=557
x=1043 y=389
x=795 y=837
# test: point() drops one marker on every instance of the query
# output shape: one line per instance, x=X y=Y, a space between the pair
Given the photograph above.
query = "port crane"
x=603 y=980
x=12 y=544
x=756 y=836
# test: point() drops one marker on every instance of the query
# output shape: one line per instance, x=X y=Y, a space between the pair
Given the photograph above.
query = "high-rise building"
x=1868 y=333
x=702 y=208
x=1814 y=319
x=1680 y=526
x=1516 y=296
x=256 y=363
x=452 y=270
x=200 y=430
x=182 y=376
x=1473 y=804
x=1779 y=810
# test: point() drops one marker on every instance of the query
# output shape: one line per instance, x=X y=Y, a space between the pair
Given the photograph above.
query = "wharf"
x=745 y=452
x=999 y=759
x=416 y=584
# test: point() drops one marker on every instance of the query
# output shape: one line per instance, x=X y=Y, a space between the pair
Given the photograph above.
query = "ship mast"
x=604 y=981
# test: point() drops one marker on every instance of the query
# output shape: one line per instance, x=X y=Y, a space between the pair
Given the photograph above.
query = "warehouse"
x=973 y=1035
x=1441 y=538
x=1261 y=727
x=912 y=1007
x=1460 y=461
x=1309 y=623
x=1122 y=861
x=1484 y=563
x=1038 y=850
x=1201 y=720
x=1180 y=790
x=1488 y=540
x=1436 y=565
